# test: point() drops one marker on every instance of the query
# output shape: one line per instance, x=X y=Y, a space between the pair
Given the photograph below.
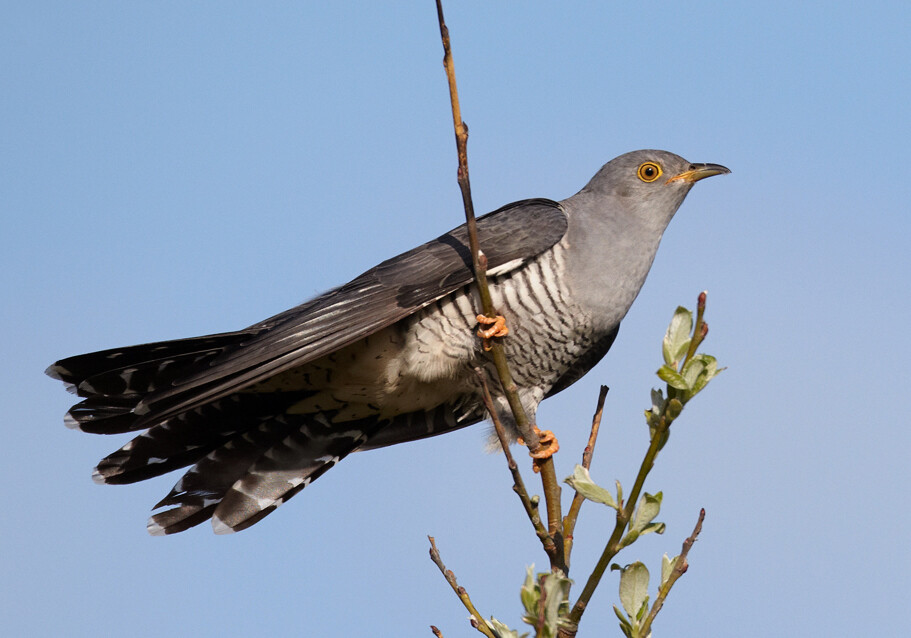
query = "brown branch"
x=436 y=632
x=569 y=522
x=679 y=570
x=479 y=263
x=531 y=507
x=477 y=621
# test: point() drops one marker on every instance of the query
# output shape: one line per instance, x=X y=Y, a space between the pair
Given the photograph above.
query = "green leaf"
x=634 y=588
x=692 y=370
x=653 y=415
x=669 y=375
x=667 y=566
x=710 y=371
x=677 y=338
x=625 y=625
x=648 y=508
x=503 y=631
x=530 y=593
x=658 y=528
x=556 y=591
x=657 y=401
x=630 y=538
x=582 y=482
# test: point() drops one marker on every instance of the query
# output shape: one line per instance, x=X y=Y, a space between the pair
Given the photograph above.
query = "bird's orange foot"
x=497 y=329
x=547 y=448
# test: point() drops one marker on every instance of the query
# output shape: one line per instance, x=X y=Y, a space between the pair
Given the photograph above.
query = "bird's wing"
x=398 y=287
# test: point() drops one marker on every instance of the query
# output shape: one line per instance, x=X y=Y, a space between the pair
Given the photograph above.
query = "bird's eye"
x=649 y=171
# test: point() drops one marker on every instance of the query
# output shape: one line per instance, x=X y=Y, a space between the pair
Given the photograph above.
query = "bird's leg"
x=498 y=329
x=547 y=448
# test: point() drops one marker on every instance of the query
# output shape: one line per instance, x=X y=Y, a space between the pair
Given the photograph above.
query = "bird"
x=257 y=414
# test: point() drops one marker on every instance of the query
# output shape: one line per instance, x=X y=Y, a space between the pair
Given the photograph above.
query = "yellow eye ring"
x=649 y=171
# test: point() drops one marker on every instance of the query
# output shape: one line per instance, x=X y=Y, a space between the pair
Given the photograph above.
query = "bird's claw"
x=497 y=329
x=548 y=446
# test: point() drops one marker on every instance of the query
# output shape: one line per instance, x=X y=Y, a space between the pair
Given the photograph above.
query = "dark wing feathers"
x=113 y=381
x=192 y=434
x=380 y=297
x=196 y=495
x=74 y=370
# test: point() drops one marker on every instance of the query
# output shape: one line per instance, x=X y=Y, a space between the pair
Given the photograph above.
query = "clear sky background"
x=175 y=169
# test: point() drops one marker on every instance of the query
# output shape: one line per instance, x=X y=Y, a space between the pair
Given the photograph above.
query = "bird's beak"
x=699 y=171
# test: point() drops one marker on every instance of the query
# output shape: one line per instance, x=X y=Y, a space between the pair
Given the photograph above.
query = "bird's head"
x=648 y=184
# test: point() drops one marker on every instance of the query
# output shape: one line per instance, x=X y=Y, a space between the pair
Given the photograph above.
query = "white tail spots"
x=154 y=529
x=219 y=527
x=70 y=421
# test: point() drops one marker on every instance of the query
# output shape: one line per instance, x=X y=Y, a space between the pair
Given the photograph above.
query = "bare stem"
x=569 y=522
x=477 y=620
x=678 y=571
x=531 y=507
x=479 y=263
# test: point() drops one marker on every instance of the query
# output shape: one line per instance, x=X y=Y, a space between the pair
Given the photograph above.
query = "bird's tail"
x=249 y=475
x=250 y=451
x=114 y=381
x=248 y=455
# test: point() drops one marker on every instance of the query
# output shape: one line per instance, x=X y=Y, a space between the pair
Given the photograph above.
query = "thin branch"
x=569 y=522
x=678 y=571
x=700 y=330
x=477 y=620
x=596 y=425
x=531 y=507
x=479 y=263
x=436 y=632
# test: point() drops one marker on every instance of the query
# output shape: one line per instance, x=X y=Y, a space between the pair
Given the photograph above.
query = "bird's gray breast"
x=548 y=331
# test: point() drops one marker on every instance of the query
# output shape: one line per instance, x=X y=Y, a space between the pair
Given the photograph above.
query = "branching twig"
x=623 y=517
x=479 y=263
x=659 y=431
x=477 y=620
x=569 y=522
x=678 y=571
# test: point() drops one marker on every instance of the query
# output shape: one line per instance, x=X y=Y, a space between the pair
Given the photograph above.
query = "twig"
x=436 y=632
x=700 y=329
x=531 y=507
x=479 y=263
x=477 y=620
x=678 y=571
x=569 y=522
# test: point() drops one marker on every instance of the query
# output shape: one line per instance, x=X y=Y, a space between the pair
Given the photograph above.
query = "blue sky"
x=177 y=169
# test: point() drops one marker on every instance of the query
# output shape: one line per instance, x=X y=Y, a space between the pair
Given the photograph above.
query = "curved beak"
x=699 y=171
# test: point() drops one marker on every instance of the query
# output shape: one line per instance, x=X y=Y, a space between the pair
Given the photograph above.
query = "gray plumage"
x=387 y=358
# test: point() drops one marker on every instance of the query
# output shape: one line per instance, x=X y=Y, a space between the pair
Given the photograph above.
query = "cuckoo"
x=389 y=357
